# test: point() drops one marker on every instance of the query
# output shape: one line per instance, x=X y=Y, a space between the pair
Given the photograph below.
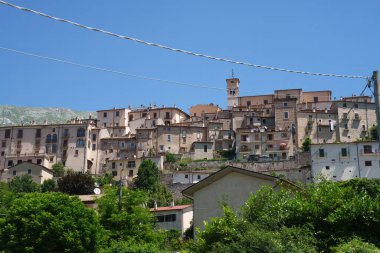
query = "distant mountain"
x=17 y=115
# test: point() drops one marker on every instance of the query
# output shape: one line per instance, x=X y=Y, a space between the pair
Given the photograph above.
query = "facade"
x=174 y=217
x=72 y=143
x=200 y=110
x=189 y=177
x=39 y=173
x=344 y=161
x=230 y=185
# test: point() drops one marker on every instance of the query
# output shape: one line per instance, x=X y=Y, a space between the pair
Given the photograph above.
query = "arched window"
x=48 y=138
x=80 y=143
x=81 y=132
x=54 y=139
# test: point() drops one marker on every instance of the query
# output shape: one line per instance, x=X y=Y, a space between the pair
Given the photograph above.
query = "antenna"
x=232 y=73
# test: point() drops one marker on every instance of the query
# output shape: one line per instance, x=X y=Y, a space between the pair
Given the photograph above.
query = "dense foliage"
x=58 y=169
x=49 y=222
x=76 y=183
x=306 y=144
x=148 y=179
x=49 y=185
x=23 y=184
x=319 y=218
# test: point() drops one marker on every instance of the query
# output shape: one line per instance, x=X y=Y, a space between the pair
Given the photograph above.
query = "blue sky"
x=326 y=36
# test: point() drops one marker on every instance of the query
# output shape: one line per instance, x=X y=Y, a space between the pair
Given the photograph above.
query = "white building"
x=189 y=177
x=174 y=217
x=39 y=173
x=344 y=161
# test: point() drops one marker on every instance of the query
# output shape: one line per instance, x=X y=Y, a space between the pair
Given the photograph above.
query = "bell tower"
x=232 y=91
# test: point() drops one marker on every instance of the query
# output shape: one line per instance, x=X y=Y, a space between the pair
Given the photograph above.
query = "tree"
x=170 y=157
x=148 y=179
x=373 y=132
x=105 y=179
x=50 y=222
x=306 y=144
x=76 y=183
x=148 y=175
x=135 y=222
x=58 y=169
x=49 y=185
x=6 y=197
x=356 y=245
x=23 y=184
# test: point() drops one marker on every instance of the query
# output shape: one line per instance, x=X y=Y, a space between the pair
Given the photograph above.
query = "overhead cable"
x=179 y=50
x=111 y=71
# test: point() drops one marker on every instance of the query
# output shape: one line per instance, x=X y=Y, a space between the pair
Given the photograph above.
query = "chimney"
x=155 y=205
x=172 y=203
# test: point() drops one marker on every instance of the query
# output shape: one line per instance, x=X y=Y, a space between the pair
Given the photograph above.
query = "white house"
x=39 y=173
x=189 y=177
x=232 y=186
x=344 y=161
x=174 y=217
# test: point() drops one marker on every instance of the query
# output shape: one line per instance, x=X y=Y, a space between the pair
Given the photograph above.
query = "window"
x=257 y=147
x=3 y=144
x=93 y=137
x=117 y=113
x=14 y=173
x=344 y=152
x=265 y=102
x=76 y=152
x=321 y=152
x=93 y=147
x=65 y=143
x=327 y=167
x=39 y=161
x=267 y=111
x=167 y=115
x=367 y=149
x=80 y=143
x=344 y=105
x=356 y=106
x=169 y=138
x=104 y=124
x=130 y=173
x=244 y=138
x=132 y=145
x=229 y=136
x=54 y=148
x=131 y=164
x=368 y=163
x=315 y=99
x=285 y=104
x=161 y=148
x=10 y=163
x=7 y=134
x=81 y=132
x=113 y=165
x=345 y=126
x=104 y=115
x=204 y=148
x=29 y=171
x=198 y=177
x=286 y=115
x=248 y=103
x=54 y=138
x=48 y=138
x=114 y=173
x=155 y=115
x=19 y=161
x=19 y=133
x=38 y=133
x=2 y=153
x=66 y=133
x=270 y=137
x=53 y=130
x=186 y=176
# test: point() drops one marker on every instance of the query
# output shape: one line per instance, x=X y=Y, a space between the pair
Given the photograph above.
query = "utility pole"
x=375 y=79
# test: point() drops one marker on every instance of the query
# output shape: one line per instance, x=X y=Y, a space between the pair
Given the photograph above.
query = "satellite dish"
x=97 y=191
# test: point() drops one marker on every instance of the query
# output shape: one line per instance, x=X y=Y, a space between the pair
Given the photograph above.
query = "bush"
x=58 y=169
x=356 y=245
x=49 y=185
x=76 y=183
x=170 y=158
x=23 y=184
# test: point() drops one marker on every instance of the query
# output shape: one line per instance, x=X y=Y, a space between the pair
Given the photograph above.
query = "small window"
x=248 y=103
x=367 y=149
x=38 y=133
x=356 y=106
x=104 y=124
x=7 y=134
x=113 y=165
x=285 y=104
x=117 y=113
x=81 y=132
x=368 y=163
x=3 y=144
x=169 y=138
x=205 y=148
x=66 y=133
x=327 y=167
x=80 y=143
x=20 y=133
x=286 y=115
x=19 y=161
x=131 y=164
x=265 y=102
x=114 y=173
x=14 y=173
x=198 y=177
x=344 y=152
x=104 y=115
x=39 y=161
x=130 y=173
x=76 y=152
x=93 y=137
x=315 y=99
x=186 y=176
x=2 y=153
x=321 y=152
x=29 y=171
x=344 y=105
x=93 y=147
x=170 y=217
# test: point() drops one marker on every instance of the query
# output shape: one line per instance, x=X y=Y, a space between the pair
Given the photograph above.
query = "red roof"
x=169 y=208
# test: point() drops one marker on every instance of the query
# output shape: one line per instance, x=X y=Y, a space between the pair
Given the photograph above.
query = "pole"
x=375 y=79
x=120 y=192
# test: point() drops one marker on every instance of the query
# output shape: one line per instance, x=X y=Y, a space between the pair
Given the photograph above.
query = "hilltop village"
x=267 y=133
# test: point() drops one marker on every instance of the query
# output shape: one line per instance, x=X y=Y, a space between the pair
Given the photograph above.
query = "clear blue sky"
x=340 y=37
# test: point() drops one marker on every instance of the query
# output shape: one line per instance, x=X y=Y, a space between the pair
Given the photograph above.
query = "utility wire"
x=111 y=71
x=176 y=49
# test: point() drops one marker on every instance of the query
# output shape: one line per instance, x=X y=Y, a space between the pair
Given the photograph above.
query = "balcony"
x=373 y=152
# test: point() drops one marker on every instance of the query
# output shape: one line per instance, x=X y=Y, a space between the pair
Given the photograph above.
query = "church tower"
x=232 y=92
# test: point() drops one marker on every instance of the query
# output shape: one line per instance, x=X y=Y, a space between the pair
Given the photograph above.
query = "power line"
x=176 y=49
x=110 y=70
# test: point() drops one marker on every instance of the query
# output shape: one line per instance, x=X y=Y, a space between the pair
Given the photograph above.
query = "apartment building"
x=70 y=143
x=200 y=110
x=344 y=161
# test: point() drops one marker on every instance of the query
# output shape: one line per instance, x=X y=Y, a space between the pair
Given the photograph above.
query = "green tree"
x=76 y=183
x=135 y=222
x=23 y=184
x=148 y=175
x=6 y=198
x=132 y=247
x=306 y=144
x=49 y=185
x=58 y=169
x=355 y=245
x=373 y=132
x=105 y=179
x=170 y=157
x=50 y=222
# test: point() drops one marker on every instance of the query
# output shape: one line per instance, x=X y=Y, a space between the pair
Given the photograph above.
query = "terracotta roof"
x=169 y=208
